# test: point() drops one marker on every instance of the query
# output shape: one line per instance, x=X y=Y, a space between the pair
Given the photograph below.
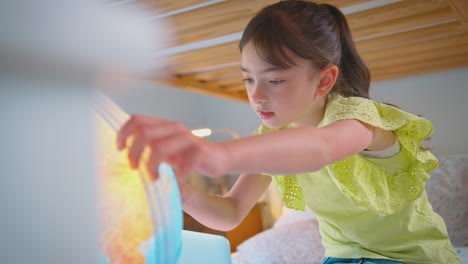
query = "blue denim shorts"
x=330 y=260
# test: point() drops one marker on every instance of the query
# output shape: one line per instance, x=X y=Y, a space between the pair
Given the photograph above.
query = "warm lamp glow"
x=202 y=132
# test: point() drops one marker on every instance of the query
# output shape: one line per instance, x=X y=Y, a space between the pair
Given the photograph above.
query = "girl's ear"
x=328 y=76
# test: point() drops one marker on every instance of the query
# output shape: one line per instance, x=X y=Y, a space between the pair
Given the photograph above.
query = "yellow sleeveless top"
x=373 y=207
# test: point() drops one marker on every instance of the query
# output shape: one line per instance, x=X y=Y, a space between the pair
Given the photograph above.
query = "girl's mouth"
x=266 y=115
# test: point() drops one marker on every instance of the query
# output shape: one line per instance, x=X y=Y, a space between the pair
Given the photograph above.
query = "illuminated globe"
x=141 y=219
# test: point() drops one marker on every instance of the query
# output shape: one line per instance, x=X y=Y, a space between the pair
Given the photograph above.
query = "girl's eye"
x=276 y=81
x=247 y=80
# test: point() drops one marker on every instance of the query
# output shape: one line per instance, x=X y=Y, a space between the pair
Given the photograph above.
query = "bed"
x=295 y=237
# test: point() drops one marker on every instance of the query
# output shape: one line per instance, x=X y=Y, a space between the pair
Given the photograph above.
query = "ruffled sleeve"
x=371 y=186
x=287 y=185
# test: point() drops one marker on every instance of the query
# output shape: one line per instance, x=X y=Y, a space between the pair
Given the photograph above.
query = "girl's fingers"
x=174 y=148
x=157 y=140
x=185 y=166
x=131 y=126
x=135 y=151
x=151 y=134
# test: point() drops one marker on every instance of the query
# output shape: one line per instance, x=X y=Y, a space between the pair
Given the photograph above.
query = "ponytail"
x=355 y=76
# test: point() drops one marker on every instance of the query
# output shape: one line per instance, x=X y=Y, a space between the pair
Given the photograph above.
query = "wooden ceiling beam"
x=412 y=36
x=407 y=59
x=228 y=58
x=384 y=54
x=342 y=3
x=420 y=67
x=158 y=7
x=233 y=77
x=460 y=9
x=233 y=15
x=215 y=20
x=374 y=30
x=392 y=12
x=191 y=83
x=208 y=53
x=209 y=75
x=201 y=58
x=210 y=57
x=231 y=82
x=234 y=88
x=396 y=40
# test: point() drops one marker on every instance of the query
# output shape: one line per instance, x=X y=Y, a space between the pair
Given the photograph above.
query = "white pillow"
x=447 y=190
x=294 y=243
x=289 y=216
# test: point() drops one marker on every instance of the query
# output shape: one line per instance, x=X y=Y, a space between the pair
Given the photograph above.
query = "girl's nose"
x=258 y=94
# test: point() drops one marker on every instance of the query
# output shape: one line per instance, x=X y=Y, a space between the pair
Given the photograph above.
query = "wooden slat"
x=242 y=94
x=413 y=36
x=232 y=58
x=191 y=83
x=158 y=7
x=401 y=53
x=236 y=89
x=228 y=58
x=421 y=67
x=342 y=3
x=236 y=81
x=212 y=74
x=205 y=53
x=233 y=88
x=373 y=56
x=392 y=26
x=397 y=40
x=433 y=54
x=216 y=20
x=460 y=9
x=399 y=10
x=232 y=77
x=223 y=18
x=202 y=57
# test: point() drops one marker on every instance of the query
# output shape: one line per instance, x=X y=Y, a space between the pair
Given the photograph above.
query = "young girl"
x=356 y=163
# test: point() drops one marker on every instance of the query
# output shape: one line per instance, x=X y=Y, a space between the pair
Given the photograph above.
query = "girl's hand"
x=151 y=141
x=185 y=190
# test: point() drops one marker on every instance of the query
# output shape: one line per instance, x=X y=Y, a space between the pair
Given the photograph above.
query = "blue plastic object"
x=201 y=248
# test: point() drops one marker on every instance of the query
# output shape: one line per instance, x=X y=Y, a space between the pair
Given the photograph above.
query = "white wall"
x=439 y=97
x=162 y=102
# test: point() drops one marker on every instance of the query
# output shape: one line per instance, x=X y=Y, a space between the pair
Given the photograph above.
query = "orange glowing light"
x=125 y=216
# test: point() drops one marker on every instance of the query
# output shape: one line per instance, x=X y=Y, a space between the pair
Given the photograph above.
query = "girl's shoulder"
x=410 y=130
x=366 y=110
x=371 y=174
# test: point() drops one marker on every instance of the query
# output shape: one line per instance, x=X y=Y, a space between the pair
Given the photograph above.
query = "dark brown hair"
x=316 y=32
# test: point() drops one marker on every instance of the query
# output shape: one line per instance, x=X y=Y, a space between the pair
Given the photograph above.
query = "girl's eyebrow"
x=270 y=69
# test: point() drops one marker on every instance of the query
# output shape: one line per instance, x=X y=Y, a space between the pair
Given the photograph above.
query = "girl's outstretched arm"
x=290 y=151
x=224 y=212
x=302 y=149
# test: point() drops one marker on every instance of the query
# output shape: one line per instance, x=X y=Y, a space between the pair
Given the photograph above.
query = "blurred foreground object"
x=78 y=39
x=51 y=55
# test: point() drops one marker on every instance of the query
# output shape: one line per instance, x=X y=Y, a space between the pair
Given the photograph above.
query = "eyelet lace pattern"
x=366 y=184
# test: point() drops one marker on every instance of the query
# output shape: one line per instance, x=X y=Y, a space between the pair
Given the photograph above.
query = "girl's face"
x=282 y=96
